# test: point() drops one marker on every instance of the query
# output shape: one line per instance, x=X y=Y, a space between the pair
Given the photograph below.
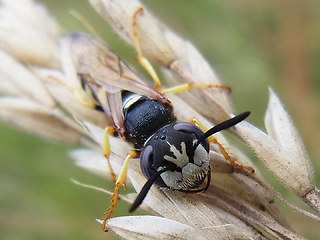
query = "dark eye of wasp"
x=174 y=141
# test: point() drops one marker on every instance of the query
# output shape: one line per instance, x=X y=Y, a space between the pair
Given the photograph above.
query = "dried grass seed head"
x=29 y=33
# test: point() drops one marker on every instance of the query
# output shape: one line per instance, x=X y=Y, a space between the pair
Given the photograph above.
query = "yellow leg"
x=148 y=67
x=188 y=86
x=106 y=150
x=223 y=151
x=85 y=99
x=199 y=124
x=83 y=93
x=120 y=181
x=142 y=60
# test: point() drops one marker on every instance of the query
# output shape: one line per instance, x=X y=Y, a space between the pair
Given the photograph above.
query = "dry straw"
x=38 y=85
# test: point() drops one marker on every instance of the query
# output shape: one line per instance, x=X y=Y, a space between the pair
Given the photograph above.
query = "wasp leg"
x=223 y=151
x=148 y=67
x=120 y=181
x=106 y=150
x=85 y=99
x=188 y=86
x=141 y=59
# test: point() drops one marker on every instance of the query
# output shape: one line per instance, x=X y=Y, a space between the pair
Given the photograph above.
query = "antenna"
x=143 y=193
x=222 y=126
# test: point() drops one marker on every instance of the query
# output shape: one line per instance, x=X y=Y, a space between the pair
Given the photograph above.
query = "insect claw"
x=111 y=208
x=104 y=225
x=136 y=12
x=248 y=169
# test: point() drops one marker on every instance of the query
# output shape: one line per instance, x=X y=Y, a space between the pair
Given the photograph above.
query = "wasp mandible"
x=172 y=154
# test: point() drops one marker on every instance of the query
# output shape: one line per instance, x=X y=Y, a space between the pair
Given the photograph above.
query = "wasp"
x=172 y=154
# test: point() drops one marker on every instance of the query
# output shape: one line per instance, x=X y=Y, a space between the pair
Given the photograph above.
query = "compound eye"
x=146 y=161
x=146 y=165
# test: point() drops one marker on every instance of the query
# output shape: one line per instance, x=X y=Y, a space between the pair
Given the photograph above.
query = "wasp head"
x=177 y=156
x=173 y=148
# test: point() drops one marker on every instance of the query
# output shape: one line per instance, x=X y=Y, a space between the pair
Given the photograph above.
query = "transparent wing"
x=91 y=57
x=101 y=71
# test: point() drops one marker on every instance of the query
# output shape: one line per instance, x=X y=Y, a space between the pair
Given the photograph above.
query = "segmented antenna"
x=145 y=190
x=222 y=126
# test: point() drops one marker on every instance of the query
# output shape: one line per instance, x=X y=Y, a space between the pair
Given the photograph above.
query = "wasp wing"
x=101 y=70
x=92 y=57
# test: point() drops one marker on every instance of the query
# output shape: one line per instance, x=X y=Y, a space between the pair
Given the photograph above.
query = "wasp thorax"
x=144 y=116
x=175 y=148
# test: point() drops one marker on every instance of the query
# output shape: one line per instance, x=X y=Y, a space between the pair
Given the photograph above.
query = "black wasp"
x=172 y=154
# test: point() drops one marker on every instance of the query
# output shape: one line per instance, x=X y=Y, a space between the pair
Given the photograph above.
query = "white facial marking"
x=181 y=158
x=192 y=174
x=171 y=178
x=200 y=156
x=189 y=169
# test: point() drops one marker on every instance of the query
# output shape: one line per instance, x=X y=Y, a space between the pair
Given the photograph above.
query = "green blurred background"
x=251 y=44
